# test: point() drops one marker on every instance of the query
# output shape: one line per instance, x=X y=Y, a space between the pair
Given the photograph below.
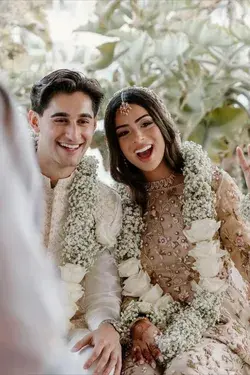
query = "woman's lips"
x=145 y=153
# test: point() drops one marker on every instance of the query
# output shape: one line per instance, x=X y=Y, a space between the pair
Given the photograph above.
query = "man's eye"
x=61 y=120
x=83 y=122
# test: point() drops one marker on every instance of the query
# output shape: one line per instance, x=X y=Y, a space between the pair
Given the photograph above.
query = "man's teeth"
x=146 y=148
x=70 y=146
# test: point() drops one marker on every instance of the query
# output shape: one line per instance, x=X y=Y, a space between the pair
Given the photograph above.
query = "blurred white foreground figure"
x=32 y=320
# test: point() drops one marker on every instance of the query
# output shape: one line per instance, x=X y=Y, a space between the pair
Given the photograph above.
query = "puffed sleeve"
x=234 y=230
x=102 y=284
x=102 y=292
x=108 y=216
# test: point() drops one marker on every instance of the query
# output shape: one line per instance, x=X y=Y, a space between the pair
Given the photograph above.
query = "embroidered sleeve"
x=108 y=216
x=234 y=230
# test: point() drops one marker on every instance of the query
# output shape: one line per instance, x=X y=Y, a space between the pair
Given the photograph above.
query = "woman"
x=186 y=289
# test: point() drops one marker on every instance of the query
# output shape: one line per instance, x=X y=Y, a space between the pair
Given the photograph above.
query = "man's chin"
x=71 y=160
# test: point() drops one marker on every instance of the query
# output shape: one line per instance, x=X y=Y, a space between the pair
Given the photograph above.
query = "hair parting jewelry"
x=124 y=107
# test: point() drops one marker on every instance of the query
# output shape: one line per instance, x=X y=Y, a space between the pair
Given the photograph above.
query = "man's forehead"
x=76 y=103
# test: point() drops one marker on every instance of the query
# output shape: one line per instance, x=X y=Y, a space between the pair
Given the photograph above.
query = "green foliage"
x=199 y=67
x=198 y=64
x=25 y=43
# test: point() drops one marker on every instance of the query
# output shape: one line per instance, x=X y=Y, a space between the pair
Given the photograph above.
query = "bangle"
x=112 y=322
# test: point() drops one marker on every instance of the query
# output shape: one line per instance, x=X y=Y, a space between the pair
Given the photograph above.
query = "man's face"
x=65 y=129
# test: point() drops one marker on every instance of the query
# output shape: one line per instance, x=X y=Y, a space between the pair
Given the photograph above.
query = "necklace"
x=161 y=184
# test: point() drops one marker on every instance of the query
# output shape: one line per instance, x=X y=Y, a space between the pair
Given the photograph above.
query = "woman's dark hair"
x=121 y=169
x=64 y=81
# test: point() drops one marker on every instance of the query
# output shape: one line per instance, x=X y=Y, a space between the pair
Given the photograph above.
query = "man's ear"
x=34 y=120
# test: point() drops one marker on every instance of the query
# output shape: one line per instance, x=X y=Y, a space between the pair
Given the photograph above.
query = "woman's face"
x=140 y=138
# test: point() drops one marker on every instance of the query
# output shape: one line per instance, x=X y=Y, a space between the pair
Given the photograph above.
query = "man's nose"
x=73 y=131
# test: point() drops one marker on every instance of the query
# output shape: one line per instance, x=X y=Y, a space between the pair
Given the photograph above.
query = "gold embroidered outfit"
x=225 y=349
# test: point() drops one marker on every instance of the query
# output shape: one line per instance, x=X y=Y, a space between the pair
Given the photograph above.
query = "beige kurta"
x=102 y=286
x=224 y=349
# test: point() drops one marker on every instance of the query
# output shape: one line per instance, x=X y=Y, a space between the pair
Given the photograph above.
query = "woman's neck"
x=161 y=172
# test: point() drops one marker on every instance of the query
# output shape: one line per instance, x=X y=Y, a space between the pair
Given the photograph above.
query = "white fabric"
x=102 y=292
x=102 y=284
x=108 y=215
x=31 y=315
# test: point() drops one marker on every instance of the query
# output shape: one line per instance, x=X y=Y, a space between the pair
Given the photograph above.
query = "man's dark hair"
x=64 y=81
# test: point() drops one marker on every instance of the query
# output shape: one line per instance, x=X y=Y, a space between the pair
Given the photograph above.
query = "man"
x=82 y=216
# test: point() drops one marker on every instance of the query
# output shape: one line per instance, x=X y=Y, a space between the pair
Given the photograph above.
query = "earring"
x=125 y=161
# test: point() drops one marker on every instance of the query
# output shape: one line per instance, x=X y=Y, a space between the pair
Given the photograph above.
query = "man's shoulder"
x=107 y=192
x=108 y=214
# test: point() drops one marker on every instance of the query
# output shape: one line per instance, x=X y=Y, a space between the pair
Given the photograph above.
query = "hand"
x=144 y=348
x=245 y=164
x=107 y=349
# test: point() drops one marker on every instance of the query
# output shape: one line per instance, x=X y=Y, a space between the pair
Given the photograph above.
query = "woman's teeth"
x=145 y=152
x=146 y=148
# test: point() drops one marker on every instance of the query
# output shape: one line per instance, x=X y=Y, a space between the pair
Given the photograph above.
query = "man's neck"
x=53 y=171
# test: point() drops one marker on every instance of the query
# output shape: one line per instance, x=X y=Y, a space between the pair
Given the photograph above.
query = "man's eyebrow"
x=85 y=115
x=65 y=114
x=60 y=114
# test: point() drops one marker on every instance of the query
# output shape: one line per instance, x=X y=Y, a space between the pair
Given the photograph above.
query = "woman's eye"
x=122 y=134
x=145 y=124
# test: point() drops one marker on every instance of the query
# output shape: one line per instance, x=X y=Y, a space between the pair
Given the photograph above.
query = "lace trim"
x=161 y=184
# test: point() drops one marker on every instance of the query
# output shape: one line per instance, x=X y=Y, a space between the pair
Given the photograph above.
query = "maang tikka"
x=124 y=107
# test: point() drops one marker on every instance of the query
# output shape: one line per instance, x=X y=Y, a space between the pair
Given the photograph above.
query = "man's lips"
x=70 y=147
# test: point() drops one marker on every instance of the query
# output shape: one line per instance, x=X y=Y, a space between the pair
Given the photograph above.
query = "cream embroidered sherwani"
x=102 y=285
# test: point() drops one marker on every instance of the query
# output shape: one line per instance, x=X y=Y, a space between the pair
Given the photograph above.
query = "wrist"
x=111 y=323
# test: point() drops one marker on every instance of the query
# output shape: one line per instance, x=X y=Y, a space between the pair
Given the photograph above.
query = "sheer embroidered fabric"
x=164 y=257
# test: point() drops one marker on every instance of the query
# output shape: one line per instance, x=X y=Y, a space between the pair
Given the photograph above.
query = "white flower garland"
x=80 y=247
x=199 y=217
x=129 y=240
x=245 y=207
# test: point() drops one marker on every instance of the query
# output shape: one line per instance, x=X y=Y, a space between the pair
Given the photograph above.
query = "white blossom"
x=72 y=273
x=129 y=267
x=202 y=230
x=152 y=295
x=164 y=302
x=137 y=285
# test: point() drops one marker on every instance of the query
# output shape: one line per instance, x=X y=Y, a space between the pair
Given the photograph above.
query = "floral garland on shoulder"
x=80 y=246
x=183 y=325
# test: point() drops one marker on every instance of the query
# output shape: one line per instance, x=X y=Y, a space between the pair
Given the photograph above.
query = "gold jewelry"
x=124 y=107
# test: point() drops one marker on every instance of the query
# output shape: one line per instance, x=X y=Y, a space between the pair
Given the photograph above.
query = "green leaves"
x=106 y=56
x=221 y=130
